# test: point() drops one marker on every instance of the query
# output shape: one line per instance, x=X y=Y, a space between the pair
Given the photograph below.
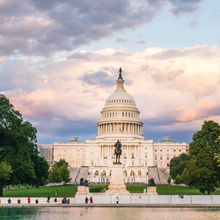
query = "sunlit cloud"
x=177 y=92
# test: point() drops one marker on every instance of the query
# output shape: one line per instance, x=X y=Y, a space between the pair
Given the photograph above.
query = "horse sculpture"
x=117 y=152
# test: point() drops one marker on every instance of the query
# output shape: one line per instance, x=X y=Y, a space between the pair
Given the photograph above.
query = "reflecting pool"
x=73 y=213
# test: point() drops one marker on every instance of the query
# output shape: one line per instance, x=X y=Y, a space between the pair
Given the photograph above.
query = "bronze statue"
x=120 y=73
x=117 y=152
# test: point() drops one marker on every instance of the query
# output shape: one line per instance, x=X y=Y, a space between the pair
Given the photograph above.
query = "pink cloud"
x=169 y=92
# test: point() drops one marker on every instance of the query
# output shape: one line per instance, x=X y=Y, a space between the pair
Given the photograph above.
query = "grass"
x=180 y=190
x=67 y=190
x=136 y=188
x=95 y=188
x=169 y=190
x=70 y=190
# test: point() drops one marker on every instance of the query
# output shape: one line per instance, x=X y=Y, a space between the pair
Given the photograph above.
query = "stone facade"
x=119 y=120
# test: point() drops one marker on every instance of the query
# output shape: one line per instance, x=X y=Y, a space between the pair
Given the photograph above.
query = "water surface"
x=75 y=213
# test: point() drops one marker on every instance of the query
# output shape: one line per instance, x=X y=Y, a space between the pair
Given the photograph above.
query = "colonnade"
x=135 y=128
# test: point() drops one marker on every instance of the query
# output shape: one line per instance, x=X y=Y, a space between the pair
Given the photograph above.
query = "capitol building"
x=120 y=120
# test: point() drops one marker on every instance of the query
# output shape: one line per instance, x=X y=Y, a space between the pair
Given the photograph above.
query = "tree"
x=177 y=165
x=18 y=146
x=54 y=175
x=41 y=168
x=5 y=174
x=202 y=171
x=59 y=172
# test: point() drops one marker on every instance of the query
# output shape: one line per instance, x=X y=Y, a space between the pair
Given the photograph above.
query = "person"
x=68 y=201
x=56 y=193
x=19 y=201
x=91 y=199
x=117 y=199
x=86 y=200
x=55 y=199
x=48 y=199
x=9 y=201
x=36 y=201
x=29 y=200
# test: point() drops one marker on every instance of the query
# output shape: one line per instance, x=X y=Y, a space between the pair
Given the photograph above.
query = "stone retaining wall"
x=151 y=199
x=125 y=199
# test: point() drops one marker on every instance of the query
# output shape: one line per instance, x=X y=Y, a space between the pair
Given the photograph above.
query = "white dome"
x=120 y=116
x=120 y=97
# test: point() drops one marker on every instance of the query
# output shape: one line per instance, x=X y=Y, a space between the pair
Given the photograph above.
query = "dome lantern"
x=120 y=81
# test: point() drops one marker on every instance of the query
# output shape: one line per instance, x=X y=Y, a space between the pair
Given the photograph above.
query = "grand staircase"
x=160 y=176
x=77 y=173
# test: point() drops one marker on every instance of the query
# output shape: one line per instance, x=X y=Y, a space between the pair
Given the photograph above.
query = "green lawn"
x=169 y=190
x=136 y=188
x=67 y=190
x=95 y=188
x=177 y=190
x=70 y=190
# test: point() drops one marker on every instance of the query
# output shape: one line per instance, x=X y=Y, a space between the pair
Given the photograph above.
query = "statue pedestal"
x=152 y=190
x=117 y=185
x=82 y=190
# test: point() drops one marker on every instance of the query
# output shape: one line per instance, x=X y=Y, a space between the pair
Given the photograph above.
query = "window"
x=132 y=156
x=132 y=173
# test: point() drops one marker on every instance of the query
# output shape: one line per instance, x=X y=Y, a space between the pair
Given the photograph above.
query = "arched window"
x=125 y=172
x=122 y=114
x=132 y=173
x=103 y=173
x=139 y=172
x=96 y=173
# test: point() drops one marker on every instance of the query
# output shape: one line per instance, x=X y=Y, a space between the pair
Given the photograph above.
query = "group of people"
x=63 y=201
x=88 y=200
x=19 y=200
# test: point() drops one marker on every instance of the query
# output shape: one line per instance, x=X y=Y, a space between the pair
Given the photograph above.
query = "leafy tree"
x=41 y=168
x=177 y=165
x=59 y=172
x=202 y=171
x=62 y=162
x=5 y=174
x=54 y=174
x=18 y=146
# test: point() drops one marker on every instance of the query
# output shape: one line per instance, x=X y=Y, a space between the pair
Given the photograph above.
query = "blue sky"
x=59 y=61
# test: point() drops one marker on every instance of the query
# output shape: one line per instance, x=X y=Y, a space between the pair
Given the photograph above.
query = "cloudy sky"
x=59 y=60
